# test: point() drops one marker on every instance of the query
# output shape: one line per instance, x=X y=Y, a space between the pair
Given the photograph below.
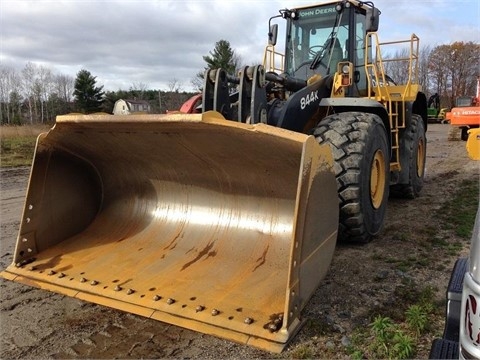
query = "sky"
x=159 y=42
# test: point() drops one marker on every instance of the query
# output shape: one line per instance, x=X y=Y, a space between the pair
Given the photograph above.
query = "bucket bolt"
x=170 y=301
x=276 y=323
x=61 y=275
x=82 y=280
x=215 y=312
x=199 y=308
x=93 y=282
x=248 y=321
x=130 y=291
x=117 y=288
x=156 y=297
x=24 y=262
x=52 y=272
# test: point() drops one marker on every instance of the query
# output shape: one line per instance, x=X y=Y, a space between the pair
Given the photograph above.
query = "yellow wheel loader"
x=226 y=221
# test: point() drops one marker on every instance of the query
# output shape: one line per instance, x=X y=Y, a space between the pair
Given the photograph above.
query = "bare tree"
x=396 y=66
x=448 y=70
x=454 y=69
x=174 y=85
x=139 y=88
x=10 y=98
x=438 y=74
x=37 y=89
x=28 y=86
x=15 y=97
x=173 y=98
x=43 y=90
x=63 y=87
x=4 y=94
x=197 y=83
x=423 y=73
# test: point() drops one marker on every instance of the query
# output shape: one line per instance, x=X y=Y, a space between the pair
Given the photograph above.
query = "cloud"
x=156 y=41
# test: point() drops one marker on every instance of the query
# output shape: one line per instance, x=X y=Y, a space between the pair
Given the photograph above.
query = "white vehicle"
x=461 y=336
x=470 y=313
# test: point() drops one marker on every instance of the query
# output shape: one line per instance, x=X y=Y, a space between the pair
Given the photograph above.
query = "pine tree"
x=222 y=56
x=88 y=96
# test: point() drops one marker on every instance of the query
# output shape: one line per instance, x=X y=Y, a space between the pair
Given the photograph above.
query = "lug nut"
x=272 y=327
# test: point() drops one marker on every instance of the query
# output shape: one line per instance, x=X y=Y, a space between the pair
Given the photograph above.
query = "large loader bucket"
x=216 y=226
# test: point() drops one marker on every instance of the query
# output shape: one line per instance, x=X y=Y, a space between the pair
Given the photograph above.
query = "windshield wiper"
x=328 y=46
x=318 y=57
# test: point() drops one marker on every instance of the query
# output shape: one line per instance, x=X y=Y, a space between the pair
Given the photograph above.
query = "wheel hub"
x=377 y=179
x=420 y=158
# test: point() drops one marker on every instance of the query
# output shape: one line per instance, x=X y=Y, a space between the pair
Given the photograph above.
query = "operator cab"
x=465 y=101
x=318 y=37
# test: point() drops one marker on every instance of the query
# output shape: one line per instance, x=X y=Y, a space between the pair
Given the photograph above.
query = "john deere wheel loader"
x=226 y=221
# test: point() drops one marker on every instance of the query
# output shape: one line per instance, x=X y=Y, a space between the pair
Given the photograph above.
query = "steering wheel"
x=314 y=52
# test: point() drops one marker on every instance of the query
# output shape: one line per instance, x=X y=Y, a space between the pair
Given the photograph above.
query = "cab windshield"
x=319 y=33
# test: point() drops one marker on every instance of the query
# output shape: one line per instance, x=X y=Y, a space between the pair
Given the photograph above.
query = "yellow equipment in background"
x=473 y=144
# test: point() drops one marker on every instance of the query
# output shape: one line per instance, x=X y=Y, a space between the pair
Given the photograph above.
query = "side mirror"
x=272 y=35
x=373 y=15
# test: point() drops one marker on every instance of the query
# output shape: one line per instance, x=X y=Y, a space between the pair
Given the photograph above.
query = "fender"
x=344 y=104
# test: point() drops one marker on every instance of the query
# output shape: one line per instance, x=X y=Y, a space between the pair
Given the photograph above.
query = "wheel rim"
x=377 y=179
x=420 y=158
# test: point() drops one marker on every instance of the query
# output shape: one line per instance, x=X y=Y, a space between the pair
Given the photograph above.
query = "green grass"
x=17 y=151
x=17 y=144
x=450 y=227
x=303 y=352
x=395 y=331
x=458 y=212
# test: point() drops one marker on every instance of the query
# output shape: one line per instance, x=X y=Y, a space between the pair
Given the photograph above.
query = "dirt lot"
x=362 y=281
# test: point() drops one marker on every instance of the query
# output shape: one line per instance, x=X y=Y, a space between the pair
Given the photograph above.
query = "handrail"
x=391 y=95
x=377 y=69
x=270 y=59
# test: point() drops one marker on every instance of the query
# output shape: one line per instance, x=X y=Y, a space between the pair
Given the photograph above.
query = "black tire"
x=362 y=168
x=413 y=142
x=464 y=135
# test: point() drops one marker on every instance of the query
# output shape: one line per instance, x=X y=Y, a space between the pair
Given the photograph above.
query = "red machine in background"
x=192 y=105
x=466 y=113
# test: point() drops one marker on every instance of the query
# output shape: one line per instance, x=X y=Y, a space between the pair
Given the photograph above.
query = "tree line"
x=450 y=70
x=37 y=95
